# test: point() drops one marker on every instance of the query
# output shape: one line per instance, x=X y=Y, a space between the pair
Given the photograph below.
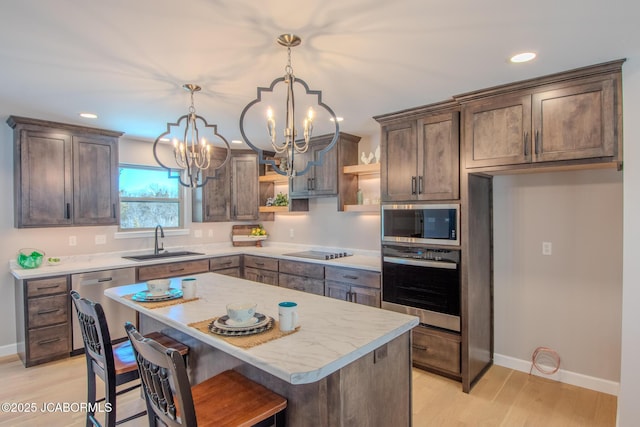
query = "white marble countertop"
x=367 y=260
x=333 y=333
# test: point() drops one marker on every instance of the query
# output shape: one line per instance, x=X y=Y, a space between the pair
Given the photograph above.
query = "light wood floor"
x=501 y=398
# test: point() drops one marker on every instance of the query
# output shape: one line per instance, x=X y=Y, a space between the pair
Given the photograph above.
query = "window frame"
x=180 y=199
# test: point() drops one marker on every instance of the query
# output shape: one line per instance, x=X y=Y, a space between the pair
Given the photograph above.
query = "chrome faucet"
x=156 y=249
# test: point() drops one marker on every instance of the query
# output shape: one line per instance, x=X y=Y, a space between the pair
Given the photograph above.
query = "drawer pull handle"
x=419 y=347
x=50 y=341
x=53 y=310
x=40 y=288
x=106 y=279
x=260 y=264
x=226 y=263
x=173 y=270
x=347 y=276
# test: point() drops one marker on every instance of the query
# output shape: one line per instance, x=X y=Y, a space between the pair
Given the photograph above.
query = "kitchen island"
x=347 y=365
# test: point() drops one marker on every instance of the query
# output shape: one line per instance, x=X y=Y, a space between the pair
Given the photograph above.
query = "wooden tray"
x=240 y=236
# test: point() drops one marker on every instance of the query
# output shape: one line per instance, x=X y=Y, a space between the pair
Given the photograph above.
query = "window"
x=148 y=197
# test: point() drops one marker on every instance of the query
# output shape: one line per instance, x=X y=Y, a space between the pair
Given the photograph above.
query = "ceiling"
x=127 y=60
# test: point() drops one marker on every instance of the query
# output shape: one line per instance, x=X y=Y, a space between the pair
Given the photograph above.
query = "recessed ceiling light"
x=337 y=118
x=236 y=141
x=523 y=57
x=89 y=115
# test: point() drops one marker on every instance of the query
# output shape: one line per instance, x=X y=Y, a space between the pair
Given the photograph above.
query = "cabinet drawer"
x=48 y=310
x=224 y=262
x=263 y=276
x=49 y=341
x=299 y=283
x=353 y=276
x=436 y=349
x=263 y=263
x=47 y=286
x=233 y=272
x=173 y=269
x=306 y=269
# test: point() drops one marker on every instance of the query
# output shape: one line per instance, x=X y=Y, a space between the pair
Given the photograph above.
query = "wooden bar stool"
x=114 y=364
x=228 y=399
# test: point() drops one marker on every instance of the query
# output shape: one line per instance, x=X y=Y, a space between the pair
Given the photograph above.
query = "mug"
x=288 y=316
x=189 y=287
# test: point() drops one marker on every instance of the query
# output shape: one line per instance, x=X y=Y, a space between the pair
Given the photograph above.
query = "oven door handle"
x=421 y=262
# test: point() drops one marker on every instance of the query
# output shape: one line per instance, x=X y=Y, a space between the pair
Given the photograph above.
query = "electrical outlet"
x=100 y=239
x=546 y=248
x=198 y=234
x=210 y=233
x=73 y=241
x=291 y=233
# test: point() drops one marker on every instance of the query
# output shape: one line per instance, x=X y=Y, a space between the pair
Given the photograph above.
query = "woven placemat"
x=245 y=341
x=160 y=304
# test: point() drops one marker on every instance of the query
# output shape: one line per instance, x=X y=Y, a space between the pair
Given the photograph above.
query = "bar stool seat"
x=228 y=399
x=114 y=364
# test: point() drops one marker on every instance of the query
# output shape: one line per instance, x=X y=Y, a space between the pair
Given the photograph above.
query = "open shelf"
x=274 y=209
x=276 y=178
x=362 y=208
x=370 y=169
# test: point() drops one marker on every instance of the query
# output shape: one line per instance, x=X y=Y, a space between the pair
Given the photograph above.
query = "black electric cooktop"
x=319 y=254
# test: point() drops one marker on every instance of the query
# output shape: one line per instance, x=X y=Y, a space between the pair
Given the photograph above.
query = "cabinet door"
x=245 y=192
x=212 y=201
x=337 y=290
x=44 y=179
x=320 y=180
x=497 y=131
x=365 y=296
x=300 y=283
x=575 y=122
x=95 y=180
x=398 y=165
x=438 y=162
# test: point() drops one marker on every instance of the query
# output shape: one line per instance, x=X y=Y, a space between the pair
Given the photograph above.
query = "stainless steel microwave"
x=437 y=224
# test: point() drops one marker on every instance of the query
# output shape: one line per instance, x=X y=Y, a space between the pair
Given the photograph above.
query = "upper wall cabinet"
x=327 y=179
x=420 y=153
x=63 y=174
x=574 y=116
x=234 y=194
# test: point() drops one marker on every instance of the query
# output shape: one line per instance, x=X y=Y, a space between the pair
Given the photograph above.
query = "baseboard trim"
x=567 y=377
x=8 y=350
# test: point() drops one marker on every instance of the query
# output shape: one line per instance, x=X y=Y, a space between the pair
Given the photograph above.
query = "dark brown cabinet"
x=64 y=175
x=43 y=319
x=301 y=276
x=436 y=349
x=327 y=179
x=354 y=285
x=227 y=265
x=172 y=269
x=573 y=116
x=261 y=269
x=233 y=195
x=420 y=154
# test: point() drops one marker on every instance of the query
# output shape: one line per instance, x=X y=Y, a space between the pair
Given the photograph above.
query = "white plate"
x=146 y=296
x=222 y=322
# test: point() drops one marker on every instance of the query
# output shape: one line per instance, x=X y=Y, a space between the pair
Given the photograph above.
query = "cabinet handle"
x=52 y=310
x=537 y=142
x=313 y=183
x=40 y=288
x=226 y=263
x=260 y=264
x=49 y=341
x=347 y=297
x=235 y=211
x=419 y=347
x=413 y=185
x=354 y=297
x=175 y=270
x=106 y=279
x=347 y=276
x=525 y=138
x=113 y=207
x=420 y=189
x=208 y=211
x=68 y=213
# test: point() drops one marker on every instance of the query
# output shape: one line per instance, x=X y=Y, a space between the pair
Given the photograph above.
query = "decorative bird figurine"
x=366 y=160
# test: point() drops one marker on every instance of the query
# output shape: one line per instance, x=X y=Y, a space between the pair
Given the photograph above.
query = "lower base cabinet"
x=43 y=319
x=261 y=269
x=437 y=350
x=350 y=284
x=227 y=265
x=302 y=276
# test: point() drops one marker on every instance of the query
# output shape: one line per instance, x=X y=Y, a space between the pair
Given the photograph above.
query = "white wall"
x=571 y=300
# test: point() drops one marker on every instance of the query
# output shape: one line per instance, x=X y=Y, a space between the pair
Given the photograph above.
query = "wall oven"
x=423 y=282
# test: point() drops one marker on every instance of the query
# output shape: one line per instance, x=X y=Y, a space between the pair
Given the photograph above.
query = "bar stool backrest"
x=164 y=379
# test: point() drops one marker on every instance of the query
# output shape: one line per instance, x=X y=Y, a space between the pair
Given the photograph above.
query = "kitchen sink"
x=161 y=255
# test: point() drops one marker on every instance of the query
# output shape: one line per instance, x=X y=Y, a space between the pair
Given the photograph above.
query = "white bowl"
x=241 y=312
x=158 y=286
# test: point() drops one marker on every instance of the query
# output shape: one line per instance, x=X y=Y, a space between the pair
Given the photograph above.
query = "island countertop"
x=332 y=334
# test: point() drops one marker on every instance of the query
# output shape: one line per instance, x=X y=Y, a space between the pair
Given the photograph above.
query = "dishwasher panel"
x=92 y=286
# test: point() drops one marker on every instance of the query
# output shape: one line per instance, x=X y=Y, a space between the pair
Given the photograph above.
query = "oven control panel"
x=421 y=252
